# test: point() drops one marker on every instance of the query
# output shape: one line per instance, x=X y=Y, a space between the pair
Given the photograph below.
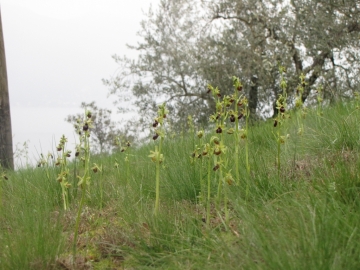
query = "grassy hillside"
x=303 y=214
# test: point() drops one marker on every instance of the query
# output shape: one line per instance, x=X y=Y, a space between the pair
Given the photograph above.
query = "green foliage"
x=186 y=44
x=156 y=156
x=305 y=219
x=83 y=128
x=64 y=170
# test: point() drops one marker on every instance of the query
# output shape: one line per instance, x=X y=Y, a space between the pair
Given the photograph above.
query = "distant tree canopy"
x=187 y=44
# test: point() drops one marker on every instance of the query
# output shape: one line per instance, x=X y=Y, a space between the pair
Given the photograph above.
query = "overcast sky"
x=57 y=52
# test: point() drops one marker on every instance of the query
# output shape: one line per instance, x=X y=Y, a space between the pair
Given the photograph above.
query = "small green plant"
x=62 y=177
x=84 y=180
x=124 y=148
x=116 y=166
x=219 y=151
x=200 y=135
x=22 y=152
x=218 y=146
x=281 y=107
x=195 y=156
x=235 y=116
x=299 y=106
x=300 y=110
x=157 y=156
x=243 y=134
x=44 y=162
x=217 y=143
x=99 y=169
x=208 y=152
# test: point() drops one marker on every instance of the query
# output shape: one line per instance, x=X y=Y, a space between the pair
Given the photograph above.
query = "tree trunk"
x=6 y=147
x=253 y=96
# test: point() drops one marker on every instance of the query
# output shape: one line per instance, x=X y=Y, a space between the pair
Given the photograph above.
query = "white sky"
x=57 y=52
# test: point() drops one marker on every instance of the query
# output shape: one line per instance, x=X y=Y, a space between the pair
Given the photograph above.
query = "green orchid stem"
x=278 y=151
x=82 y=201
x=47 y=169
x=300 y=128
x=246 y=141
x=84 y=185
x=219 y=188
x=157 y=198
x=282 y=103
x=278 y=158
x=101 y=190
x=127 y=170
x=202 y=183
x=226 y=209
x=236 y=134
x=63 y=181
x=208 y=193
x=236 y=157
x=157 y=189
x=63 y=191
x=247 y=154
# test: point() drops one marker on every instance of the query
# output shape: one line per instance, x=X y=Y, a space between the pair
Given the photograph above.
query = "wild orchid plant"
x=157 y=156
x=83 y=127
x=245 y=112
x=216 y=142
x=299 y=106
x=124 y=148
x=300 y=110
x=64 y=171
x=281 y=107
x=208 y=152
x=200 y=135
x=197 y=155
x=44 y=162
x=116 y=165
x=99 y=169
x=235 y=117
x=243 y=104
x=218 y=147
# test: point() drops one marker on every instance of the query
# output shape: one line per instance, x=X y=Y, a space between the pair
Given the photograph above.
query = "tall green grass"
x=308 y=218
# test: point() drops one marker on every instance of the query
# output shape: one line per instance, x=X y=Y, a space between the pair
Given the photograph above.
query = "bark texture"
x=253 y=96
x=6 y=147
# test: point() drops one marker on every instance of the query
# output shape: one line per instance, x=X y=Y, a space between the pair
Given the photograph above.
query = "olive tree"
x=187 y=44
x=174 y=64
x=319 y=39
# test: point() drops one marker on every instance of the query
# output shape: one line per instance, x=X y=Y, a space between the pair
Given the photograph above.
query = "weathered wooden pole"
x=6 y=147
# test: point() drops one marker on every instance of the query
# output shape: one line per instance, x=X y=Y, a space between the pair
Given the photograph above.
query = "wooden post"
x=6 y=147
